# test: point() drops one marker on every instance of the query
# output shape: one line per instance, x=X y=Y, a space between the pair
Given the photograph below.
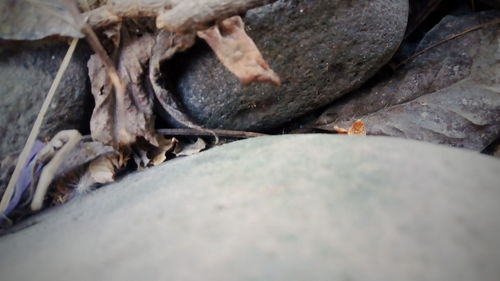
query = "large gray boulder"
x=310 y=207
x=322 y=49
x=27 y=70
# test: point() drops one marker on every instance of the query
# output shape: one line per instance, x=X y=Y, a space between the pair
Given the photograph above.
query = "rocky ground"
x=285 y=207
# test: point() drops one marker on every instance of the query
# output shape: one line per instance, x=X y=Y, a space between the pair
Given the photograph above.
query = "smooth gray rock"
x=301 y=207
x=448 y=95
x=322 y=49
x=27 y=70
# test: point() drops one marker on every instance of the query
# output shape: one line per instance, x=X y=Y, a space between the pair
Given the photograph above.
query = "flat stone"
x=322 y=49
x=298 y=207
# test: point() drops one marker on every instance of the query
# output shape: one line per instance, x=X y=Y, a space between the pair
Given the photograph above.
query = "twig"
x=220 y=133
x=96 y=45
x=455 y=36
x=36 y=128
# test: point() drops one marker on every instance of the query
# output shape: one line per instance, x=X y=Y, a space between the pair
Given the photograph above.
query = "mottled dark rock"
x=449 y=95
x=27 y=70
x=322 y=49
x=491 y=3
x=419 y=11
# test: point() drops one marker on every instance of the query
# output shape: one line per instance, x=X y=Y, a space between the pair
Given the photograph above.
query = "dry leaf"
x=35 y=19
x=82 y=155
x=158 y=155
x=238 y=53
x=167 y=44
x=191 y=149
x=357 y=129
x=120 y=117
x=102 y=170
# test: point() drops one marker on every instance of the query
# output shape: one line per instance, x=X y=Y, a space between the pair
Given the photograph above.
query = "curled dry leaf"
x=158 y=155
x=120 y=117
x=166 y=45
x=191 y=149
x=102 y=170
x=238 y=53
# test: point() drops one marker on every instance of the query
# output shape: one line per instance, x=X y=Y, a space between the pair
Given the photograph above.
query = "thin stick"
x=36 y=128
x=208 y=133
x=96 y=45
x=481 y=26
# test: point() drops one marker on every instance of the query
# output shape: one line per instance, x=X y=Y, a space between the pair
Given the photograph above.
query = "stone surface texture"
x=28 y=70
x=448 y=95
x=303 y=207
x=322 y=49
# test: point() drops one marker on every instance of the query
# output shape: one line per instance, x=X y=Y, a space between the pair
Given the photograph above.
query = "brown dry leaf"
x=357 y=129
x=238 y=53
x=102 y=170
x=120 y=117
x=157 y=155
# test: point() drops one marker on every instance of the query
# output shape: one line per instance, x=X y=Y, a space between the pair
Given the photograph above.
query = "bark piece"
x=177 y=16
x=238 y=53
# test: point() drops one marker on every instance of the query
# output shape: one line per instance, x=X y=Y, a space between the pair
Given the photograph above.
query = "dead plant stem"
x=198 y=132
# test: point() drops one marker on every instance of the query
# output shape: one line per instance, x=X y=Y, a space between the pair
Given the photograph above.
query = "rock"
x=301 y=207
x=322 y=49
x=27 y=70
x=419 y=11
x=491 y=3
x=448 y=95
